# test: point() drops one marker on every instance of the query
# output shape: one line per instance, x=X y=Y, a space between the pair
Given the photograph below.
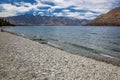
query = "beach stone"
x=24 y=59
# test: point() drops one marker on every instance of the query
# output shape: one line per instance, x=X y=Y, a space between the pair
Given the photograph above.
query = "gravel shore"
x=23 y=59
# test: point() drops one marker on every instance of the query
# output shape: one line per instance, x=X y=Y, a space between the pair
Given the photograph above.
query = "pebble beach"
x=24 y=59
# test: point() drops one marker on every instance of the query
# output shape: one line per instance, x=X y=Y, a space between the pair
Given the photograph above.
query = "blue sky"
x=82 y=9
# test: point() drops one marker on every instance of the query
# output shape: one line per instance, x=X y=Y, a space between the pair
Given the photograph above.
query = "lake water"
x=99 y=42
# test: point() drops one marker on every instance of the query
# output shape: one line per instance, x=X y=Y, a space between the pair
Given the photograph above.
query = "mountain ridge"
x=111 y=18
x=31 y=20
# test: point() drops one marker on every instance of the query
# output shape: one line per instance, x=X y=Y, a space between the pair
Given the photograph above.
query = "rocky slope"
x=112 y=18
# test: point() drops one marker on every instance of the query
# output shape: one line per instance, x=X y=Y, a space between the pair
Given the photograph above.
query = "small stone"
x=83 y=65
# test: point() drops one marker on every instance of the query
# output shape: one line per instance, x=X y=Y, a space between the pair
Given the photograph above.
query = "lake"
x=92 y=41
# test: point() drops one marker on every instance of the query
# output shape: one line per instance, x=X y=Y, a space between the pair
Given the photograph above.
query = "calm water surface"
x=84 y=40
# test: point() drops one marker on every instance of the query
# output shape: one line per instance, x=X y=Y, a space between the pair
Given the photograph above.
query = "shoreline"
x=24 y=59
x=101 y=58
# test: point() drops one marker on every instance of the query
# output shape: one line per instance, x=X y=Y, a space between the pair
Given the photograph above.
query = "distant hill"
x=45 y=20
x=112 y=18
x=4 y=23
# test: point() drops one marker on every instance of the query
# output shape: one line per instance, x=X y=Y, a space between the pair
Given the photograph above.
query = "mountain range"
x=112 y=18
x=29 y=19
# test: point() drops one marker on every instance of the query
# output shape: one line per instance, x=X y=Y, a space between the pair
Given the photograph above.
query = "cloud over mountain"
x=68 y=8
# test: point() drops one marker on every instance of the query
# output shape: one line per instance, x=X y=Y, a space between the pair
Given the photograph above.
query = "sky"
x=81 y=9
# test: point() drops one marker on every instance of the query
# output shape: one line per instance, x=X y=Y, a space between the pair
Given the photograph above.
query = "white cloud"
x=58 y=14
x=22 y=7
x=12 y=10
x=67 y=13
x=100 y=6
x=6 y=13
x=41 y=13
